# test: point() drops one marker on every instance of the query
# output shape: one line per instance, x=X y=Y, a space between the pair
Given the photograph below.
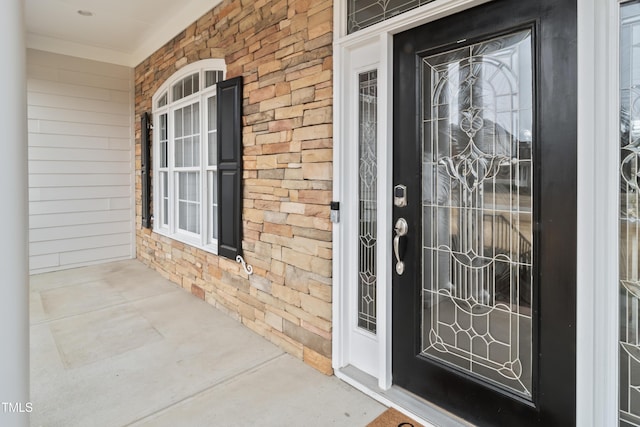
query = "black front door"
x=484 y=297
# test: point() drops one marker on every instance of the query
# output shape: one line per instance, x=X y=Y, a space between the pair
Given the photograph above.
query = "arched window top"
x=189 y=80
x=185 y=149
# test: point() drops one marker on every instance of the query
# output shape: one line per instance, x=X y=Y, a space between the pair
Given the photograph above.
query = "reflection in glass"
x=163 y=100
x=212 y=77
x=629 y=286
x=187 y=136
x=189 y=201
x=368 y=190
x=477 y=210
x=213 y=189
x=164 y=198
x=187 y=86
x=212 y=131
x=212 y=159
x=163 y=164
x=163 y=140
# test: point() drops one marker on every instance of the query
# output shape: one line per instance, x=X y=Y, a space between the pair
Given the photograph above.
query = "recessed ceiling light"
x=85 y=13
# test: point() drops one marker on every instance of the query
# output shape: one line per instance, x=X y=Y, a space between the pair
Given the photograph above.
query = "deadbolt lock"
x=400 y=196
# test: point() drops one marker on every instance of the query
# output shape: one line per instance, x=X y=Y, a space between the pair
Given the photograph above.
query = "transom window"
x=185 y=153
x=364 y=13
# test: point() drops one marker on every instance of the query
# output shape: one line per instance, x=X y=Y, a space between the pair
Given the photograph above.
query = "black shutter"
x=229 y=94
x=145 y=128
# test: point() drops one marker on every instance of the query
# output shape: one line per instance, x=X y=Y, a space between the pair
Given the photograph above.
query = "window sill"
x=212 y=248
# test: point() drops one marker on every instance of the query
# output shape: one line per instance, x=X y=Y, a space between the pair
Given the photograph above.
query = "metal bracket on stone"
x=247 y=268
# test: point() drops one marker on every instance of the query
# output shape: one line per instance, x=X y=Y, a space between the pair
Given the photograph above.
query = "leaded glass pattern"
x=368 y=187
x=629 y=286
x=364 y=13
x=477 y=210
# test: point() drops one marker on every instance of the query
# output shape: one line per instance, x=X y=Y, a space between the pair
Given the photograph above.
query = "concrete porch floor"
x=118 y=345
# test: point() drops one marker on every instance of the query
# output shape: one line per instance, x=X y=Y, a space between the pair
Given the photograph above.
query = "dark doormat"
x=393 y=418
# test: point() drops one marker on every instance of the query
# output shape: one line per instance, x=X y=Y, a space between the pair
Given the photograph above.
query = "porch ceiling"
x=123 y=32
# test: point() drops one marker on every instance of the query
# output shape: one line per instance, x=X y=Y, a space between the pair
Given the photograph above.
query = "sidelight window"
x=629 y=215
x=368 y=183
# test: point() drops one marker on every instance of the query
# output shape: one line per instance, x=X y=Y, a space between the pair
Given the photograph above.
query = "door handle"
x=401 y=228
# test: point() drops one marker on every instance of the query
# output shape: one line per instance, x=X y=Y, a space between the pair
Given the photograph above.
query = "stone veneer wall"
x=284 y=51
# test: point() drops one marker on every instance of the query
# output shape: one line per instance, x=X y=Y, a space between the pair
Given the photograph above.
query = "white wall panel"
x=84 y=205
x=57 y=62
x=77 y=193
x=71 y=155
x=66 y=141
x=47 y=207
x=44 y=262
x=75 y=103
x=64 y=115
x=81 y=170
x=79 y=244
x=48 y=166
x=75 y=128
x=76 y=218
x=87 y=180
x=78 y=230
x=51 y=87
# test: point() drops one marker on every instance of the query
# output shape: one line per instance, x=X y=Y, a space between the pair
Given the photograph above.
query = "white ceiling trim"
x=65 y=47
x=171 y=23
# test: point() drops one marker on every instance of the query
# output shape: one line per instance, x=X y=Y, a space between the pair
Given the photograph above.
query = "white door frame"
x=363 y=347
x=598 y=173
x=597 y=275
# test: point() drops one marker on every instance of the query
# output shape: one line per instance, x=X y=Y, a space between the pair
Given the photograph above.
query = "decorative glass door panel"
x=484 y=237
x=368 y=190
x=629 y=285
x=477 y=237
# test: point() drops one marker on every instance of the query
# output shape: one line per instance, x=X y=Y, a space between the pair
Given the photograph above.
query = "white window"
x=185 y=155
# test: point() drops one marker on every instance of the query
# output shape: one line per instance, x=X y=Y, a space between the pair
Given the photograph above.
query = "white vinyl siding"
x=81 y=171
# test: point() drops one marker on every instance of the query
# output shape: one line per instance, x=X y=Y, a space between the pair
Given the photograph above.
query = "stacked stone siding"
x=283 y=51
